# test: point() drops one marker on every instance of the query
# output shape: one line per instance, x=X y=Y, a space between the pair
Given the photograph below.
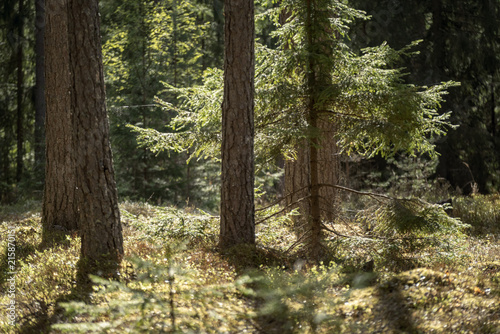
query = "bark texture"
x=237 y=193
x=329 y=169
x=60 y=178
x=96 y=196
x=297 y=177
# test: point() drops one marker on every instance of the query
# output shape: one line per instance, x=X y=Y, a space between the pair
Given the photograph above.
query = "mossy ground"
x=172 y=260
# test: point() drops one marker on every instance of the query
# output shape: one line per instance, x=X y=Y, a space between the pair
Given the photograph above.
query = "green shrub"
x=173 y=223
x=298 y=301
x=164 y=297
x=406 y=233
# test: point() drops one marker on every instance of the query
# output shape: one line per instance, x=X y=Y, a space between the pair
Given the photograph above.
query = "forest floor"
x=175 y=280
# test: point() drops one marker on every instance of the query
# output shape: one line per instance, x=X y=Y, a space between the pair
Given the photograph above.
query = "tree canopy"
x=364 y=92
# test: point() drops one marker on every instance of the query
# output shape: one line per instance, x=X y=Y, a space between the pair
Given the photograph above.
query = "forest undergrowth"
x=174 y=279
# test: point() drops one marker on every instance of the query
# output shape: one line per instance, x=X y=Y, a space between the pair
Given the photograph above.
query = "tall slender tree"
x=60 y=176
x=40 y=105
x=20 y=93
x=237 y=194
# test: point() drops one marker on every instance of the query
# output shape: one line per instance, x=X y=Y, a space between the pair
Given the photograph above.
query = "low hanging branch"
x=364 y=193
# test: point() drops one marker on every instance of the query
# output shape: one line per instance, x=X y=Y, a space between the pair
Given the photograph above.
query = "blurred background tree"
x=147 y=43
x=460 y=43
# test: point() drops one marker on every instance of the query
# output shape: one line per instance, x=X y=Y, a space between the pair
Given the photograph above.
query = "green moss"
x=169 y=264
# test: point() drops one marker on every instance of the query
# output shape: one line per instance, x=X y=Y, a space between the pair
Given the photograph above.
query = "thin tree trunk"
x=317 y=160
x=237 y=192
x=5 y=160
x=438 y=38
x=40 y=87
x=174 y=43
x=314 y=142
x=20 y=93
x=97 y=201
x=60 y=180
x=314 y=199
x=493 y=113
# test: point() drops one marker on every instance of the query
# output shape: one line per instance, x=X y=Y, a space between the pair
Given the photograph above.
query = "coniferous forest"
x=239 y=166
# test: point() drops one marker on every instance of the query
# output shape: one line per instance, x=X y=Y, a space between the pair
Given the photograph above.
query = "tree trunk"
x=40 y=88
x=60 y=179
x=317 y=160
x=493 y=113
x=324 y=166
x=297 y=186
x=297 y=177
x=20 y=93
x=314 y=198
x=237 y=193
x=5 y=145
x=437 y=37
x=97 y=202
x=329 y=167
x=314 y=141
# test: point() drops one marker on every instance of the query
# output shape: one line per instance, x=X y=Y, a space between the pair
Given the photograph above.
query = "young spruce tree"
x=316 y=98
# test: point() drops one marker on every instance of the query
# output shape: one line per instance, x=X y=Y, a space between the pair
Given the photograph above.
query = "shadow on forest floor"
x=41 y=321
x=37 y=272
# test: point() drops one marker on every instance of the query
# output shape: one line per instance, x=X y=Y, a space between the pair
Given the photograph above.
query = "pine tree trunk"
x=97 y=202
x=237 y=193
x=60 y=178
x=40 y=88
x=5 y=144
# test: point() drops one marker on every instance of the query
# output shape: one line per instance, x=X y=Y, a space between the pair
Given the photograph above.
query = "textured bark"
x=314 y=142
x=96 y=196
x=314 y=199
x=60 y=179
x=325 y=167
x=329 y=169
x=40 y=87
x=237 y=193
x=297 y=177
